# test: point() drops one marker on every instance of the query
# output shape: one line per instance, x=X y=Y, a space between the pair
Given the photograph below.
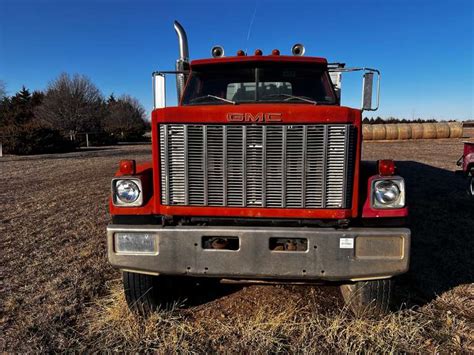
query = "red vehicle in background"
x=466 y=162
x=257 y=177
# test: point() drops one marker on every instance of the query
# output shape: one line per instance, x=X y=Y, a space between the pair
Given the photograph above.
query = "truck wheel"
x=470 y=186
x=368 y=298
x=147 y=293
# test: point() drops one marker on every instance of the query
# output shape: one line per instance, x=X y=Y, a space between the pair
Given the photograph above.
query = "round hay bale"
x=378 y=132
x=416 y=130
x=404 y=131
x=367 y=132
x=391 y=131
x=429 y=131
x=442 y=130
x=455 y=129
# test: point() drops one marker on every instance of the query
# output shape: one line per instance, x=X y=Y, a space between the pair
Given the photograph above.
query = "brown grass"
x=58 y=292
x=297 y=325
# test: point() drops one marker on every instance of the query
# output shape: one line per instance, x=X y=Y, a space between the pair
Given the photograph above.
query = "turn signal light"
x=386 y=167
x=127 y=167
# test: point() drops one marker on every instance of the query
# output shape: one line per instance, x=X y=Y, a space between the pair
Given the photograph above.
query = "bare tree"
x=72 y=104
x=3 y=89
x=125 y=118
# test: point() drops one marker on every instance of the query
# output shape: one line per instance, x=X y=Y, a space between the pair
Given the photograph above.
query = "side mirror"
x=367 y=90
x=368 y=83
x=335 y=71
x=159 y=90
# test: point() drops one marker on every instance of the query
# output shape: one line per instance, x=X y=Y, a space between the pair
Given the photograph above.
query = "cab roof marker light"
x=217 y=51
x=298 y=49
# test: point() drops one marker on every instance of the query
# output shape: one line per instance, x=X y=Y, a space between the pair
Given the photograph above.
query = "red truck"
x=466 y=162
x=256 y=176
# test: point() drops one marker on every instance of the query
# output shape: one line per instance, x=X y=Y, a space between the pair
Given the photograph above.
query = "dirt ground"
x=58 y=291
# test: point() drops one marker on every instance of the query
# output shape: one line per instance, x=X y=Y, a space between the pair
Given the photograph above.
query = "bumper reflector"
x=135 y=243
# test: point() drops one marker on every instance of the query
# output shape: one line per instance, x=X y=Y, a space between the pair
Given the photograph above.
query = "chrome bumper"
x=332 y=254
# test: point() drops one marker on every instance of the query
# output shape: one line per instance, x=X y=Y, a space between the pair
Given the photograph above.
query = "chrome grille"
x=274 y=166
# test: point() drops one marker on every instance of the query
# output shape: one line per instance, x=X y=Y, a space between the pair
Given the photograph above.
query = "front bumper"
x=331 y=254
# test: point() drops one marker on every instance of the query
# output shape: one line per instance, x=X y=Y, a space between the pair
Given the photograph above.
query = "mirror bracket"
x=159 y=86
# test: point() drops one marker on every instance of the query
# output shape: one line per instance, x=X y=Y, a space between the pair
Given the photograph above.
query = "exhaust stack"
x=183 y=60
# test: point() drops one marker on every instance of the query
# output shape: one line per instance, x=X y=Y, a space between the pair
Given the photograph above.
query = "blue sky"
x=423 y=48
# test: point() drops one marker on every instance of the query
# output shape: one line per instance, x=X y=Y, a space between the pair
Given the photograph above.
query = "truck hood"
x=257 y=114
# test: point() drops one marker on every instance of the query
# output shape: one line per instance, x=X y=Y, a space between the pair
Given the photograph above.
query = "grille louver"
x=284 y=166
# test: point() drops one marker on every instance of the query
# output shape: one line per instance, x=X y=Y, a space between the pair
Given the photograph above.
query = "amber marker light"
x=127 y=167
x=386 y=167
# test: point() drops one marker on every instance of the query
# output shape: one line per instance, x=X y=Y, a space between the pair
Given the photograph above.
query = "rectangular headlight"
x=388 y=192
x=127 y=192
x=135 y=243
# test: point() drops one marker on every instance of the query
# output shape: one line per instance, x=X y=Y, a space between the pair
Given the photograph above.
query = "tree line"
x=57 y=119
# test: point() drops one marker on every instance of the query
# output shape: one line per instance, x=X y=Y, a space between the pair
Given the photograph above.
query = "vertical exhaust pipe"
x=183 y=61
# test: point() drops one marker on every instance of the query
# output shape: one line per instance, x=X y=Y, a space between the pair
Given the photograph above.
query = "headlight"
x=388 y=193
x=127 y=192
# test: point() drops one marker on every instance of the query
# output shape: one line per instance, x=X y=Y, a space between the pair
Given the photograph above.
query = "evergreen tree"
x=111 y=99
x=20 y=108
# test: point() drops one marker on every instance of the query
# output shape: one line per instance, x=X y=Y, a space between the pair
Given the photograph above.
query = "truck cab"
x=256 y=175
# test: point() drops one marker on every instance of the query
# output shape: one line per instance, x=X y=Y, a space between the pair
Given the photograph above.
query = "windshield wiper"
x=290 y=97
x=201 y=98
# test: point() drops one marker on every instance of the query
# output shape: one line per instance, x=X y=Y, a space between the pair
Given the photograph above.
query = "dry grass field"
x=58 y=291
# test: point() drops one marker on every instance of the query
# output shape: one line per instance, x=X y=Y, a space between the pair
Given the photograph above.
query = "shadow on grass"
x=203 y=291
x=442 y=225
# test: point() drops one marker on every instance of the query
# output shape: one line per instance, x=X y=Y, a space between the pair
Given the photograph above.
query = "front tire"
x=470 y=186
x=368 y=298
x=147 y=293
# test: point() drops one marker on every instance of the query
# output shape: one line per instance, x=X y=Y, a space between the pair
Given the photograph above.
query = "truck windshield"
x=233 y=83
